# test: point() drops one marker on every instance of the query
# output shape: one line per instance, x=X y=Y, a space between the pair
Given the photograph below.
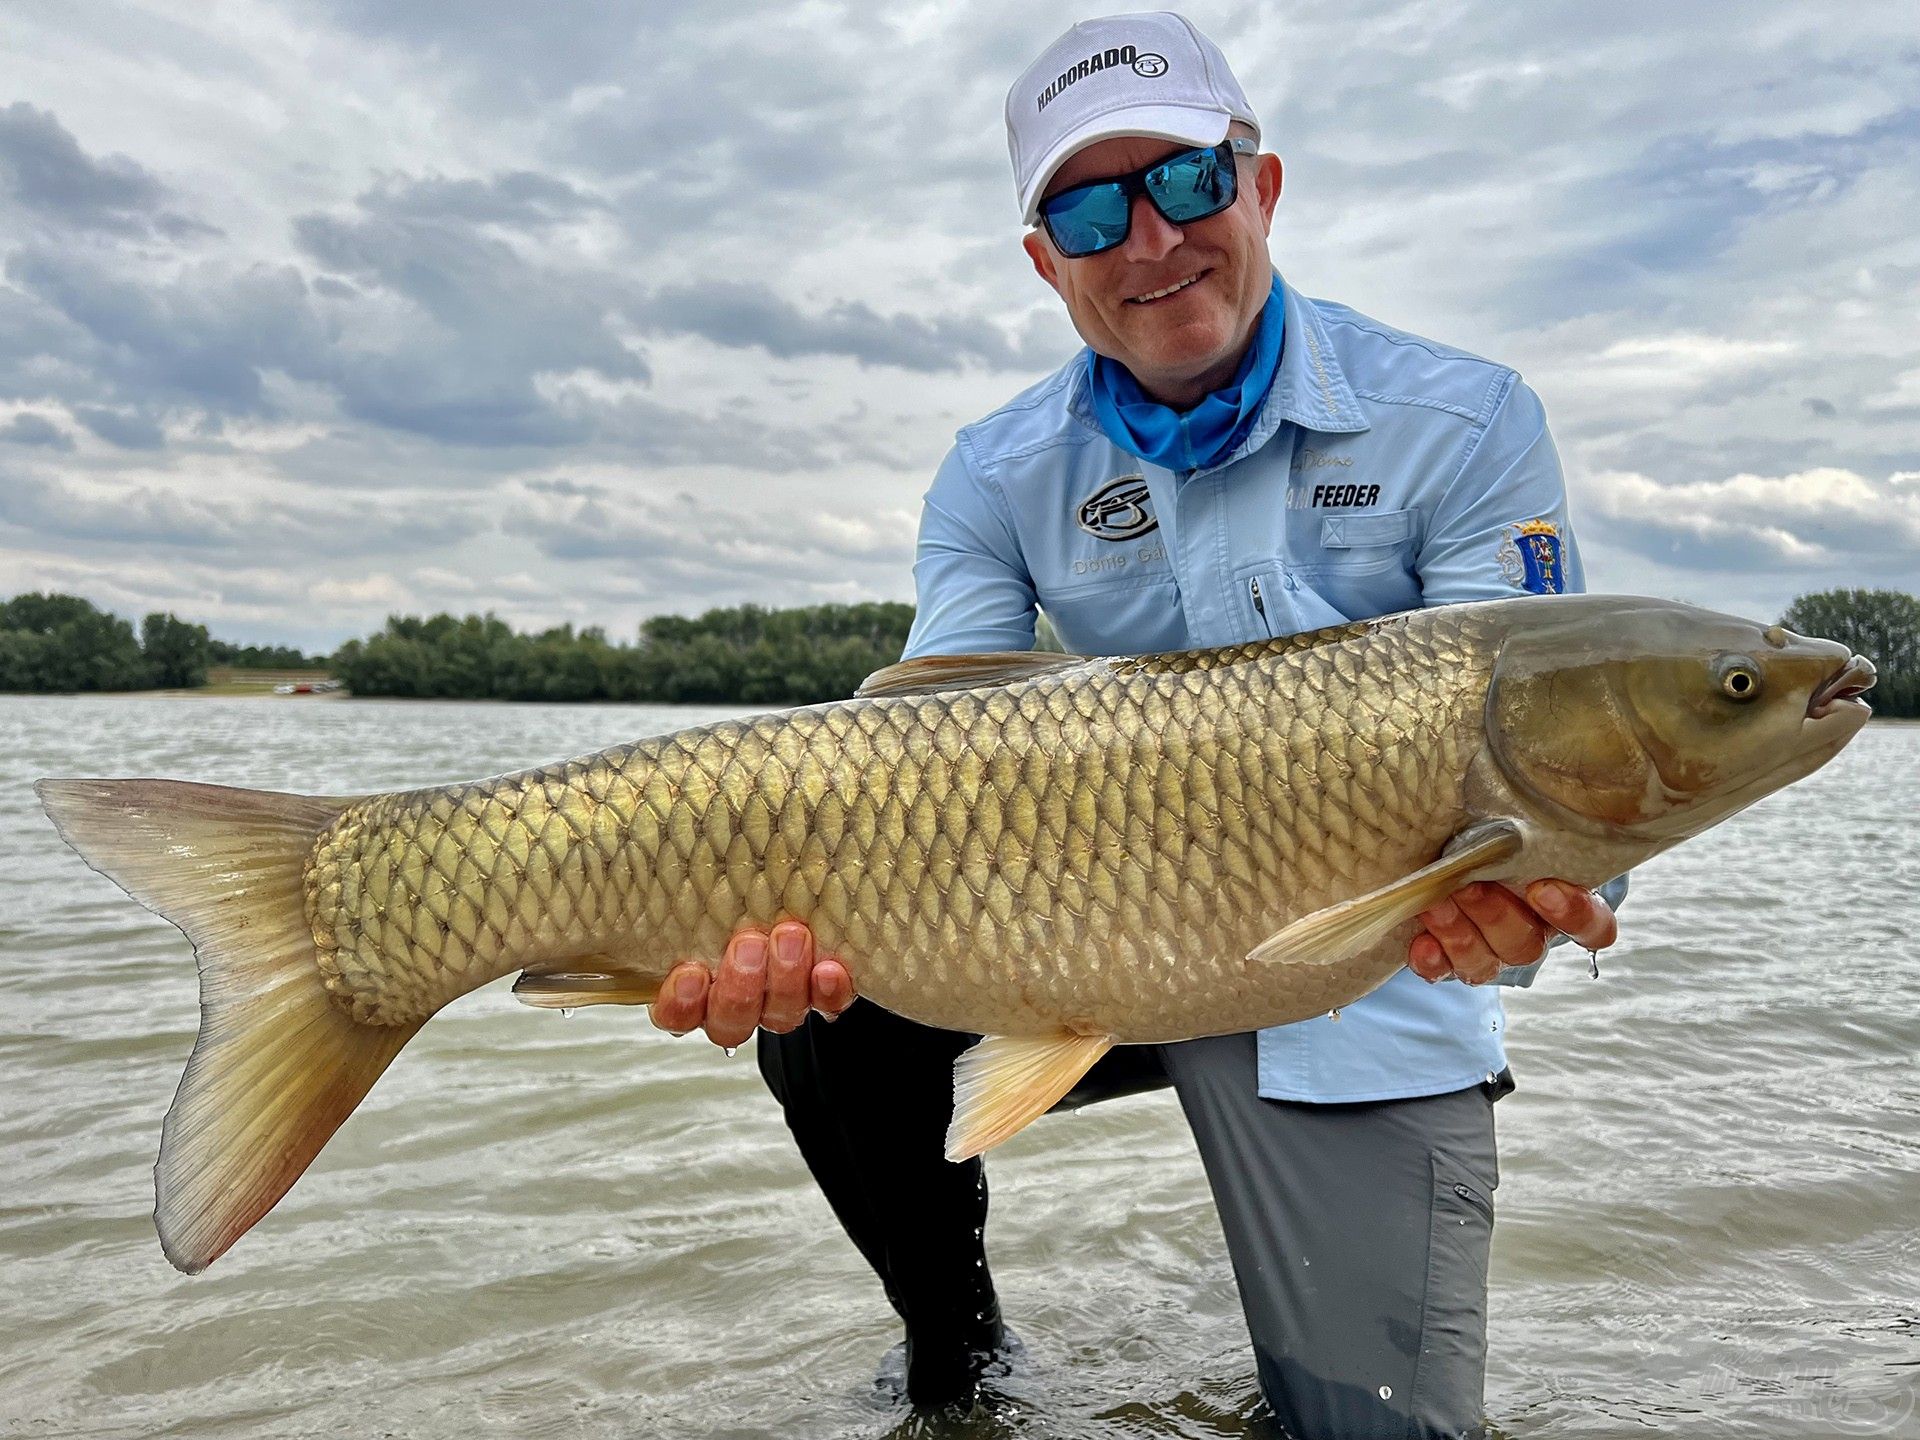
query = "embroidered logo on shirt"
x=1119 y=510
x=1531 y=559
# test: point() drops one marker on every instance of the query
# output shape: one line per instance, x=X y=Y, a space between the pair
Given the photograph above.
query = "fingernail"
x=1549 y=901
x=786 y=946
x=751 y=952
x=689 y=986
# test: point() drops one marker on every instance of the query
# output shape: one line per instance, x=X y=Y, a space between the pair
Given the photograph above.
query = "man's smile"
x=1165 y=291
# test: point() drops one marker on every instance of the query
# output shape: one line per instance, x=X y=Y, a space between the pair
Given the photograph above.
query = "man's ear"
x=1267 y=176
x=1045 y=262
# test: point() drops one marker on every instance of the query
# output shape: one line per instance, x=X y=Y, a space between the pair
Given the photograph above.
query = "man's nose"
x=1150 y=235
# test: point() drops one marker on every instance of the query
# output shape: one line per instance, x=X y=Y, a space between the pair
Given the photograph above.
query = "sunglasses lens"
x=1185 y=187
x=1088 y=220
x=1192 y=186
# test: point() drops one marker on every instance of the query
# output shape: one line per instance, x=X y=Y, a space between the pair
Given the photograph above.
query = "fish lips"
x=1843 y=689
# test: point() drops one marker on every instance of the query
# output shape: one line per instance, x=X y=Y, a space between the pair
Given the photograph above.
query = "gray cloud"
x=752 y=315
x=30 y=429
x=243 y=528
x=1813 y=522
x=693 y=538
x=46 y=173
x=519 y=199
x=128 y=429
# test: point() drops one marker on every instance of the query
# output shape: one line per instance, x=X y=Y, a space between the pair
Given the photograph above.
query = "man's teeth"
x=1157 y=294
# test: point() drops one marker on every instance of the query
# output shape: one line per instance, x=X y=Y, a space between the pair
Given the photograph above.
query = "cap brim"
x=1183 y=123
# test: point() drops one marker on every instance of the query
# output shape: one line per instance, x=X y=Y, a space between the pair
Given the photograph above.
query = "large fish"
x=1060 y=853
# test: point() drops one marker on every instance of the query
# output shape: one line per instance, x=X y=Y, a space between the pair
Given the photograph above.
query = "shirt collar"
x=1310 y=388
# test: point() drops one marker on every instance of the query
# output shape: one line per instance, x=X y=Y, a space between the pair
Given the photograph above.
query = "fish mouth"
x=1843 y=689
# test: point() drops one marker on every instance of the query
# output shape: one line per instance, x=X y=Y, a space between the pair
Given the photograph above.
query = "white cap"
x=1151 y=74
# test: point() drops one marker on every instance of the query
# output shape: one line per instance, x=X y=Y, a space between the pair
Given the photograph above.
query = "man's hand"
x=1483 y=926
x=765 y=982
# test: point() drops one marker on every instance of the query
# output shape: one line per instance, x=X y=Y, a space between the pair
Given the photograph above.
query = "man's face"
x=1183 y=345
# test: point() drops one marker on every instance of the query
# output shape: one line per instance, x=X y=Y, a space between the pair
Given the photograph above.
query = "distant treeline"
x=745 y=655
x=1883 y=625
x=62 y=642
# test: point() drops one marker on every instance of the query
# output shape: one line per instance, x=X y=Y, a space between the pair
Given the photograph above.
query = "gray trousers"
x=1359 y=1237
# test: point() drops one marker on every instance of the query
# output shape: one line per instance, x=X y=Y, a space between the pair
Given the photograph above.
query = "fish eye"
x=1739 y=677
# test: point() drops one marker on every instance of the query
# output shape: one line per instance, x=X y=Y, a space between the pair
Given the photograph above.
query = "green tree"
x=62 y=642
x=176 y=652
x=1883 y=625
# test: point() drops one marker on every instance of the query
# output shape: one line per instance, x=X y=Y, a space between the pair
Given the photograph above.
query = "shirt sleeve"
x=1501 y=527
x=1501 y=530
x=971 y=583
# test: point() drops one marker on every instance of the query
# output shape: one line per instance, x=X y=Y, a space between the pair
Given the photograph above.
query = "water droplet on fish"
x=729 y=1049
x=1334 y=1015
x=1386 y=1392
x=566 y=1012
x=1593 y=964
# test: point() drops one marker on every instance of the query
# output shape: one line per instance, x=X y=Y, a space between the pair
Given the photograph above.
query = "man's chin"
x=1179 y=360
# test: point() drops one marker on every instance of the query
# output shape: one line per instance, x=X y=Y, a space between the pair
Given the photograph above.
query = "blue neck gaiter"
x=1206 y=434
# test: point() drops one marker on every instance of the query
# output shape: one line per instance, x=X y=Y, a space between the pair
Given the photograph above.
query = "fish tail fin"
x=277 y=1065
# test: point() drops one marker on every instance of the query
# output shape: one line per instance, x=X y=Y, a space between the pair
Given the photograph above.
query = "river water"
x=541 y=1226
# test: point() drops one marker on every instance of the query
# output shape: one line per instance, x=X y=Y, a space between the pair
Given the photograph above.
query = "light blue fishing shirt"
x=1383 y=472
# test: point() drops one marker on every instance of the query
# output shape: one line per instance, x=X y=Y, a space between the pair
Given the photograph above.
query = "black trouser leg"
x=868 y=1098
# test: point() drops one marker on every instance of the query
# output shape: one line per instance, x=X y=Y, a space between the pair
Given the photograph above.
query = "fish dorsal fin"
x=1007 y=1081
x=932 y=673
x=1331 y=935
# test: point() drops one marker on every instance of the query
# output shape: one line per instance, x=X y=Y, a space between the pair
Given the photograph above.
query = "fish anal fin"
x=930 y=674
x=1007 y=1081
x=1331 y=935
x=590 y=980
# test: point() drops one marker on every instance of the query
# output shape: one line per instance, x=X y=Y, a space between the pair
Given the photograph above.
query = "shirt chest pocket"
x=1359 y=544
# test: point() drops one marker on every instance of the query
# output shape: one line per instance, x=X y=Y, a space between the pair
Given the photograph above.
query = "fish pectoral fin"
x=585 y=983
x=1333 y=934
x=1007 y=1081
x=931 y=674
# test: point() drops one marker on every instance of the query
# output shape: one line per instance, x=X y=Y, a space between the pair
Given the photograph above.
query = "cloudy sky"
x=316 y=310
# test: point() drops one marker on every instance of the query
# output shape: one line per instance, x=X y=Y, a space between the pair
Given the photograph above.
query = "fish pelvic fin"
x=586 y=981
x=1331 y=935
x=277 y=1065
x=1006 y=1082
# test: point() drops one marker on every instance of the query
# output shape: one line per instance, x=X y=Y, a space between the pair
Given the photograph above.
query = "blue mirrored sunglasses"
x=1184 y=188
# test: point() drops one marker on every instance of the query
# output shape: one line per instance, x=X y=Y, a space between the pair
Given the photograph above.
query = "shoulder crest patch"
x=1530 y=557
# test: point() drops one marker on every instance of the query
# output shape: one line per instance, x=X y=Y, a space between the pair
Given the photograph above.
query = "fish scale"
x=1162 y=814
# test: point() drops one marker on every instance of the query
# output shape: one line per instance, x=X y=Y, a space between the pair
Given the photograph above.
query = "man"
x=1227 y=461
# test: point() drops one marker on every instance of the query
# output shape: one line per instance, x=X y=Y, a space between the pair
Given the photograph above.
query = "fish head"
x=1654 y=720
